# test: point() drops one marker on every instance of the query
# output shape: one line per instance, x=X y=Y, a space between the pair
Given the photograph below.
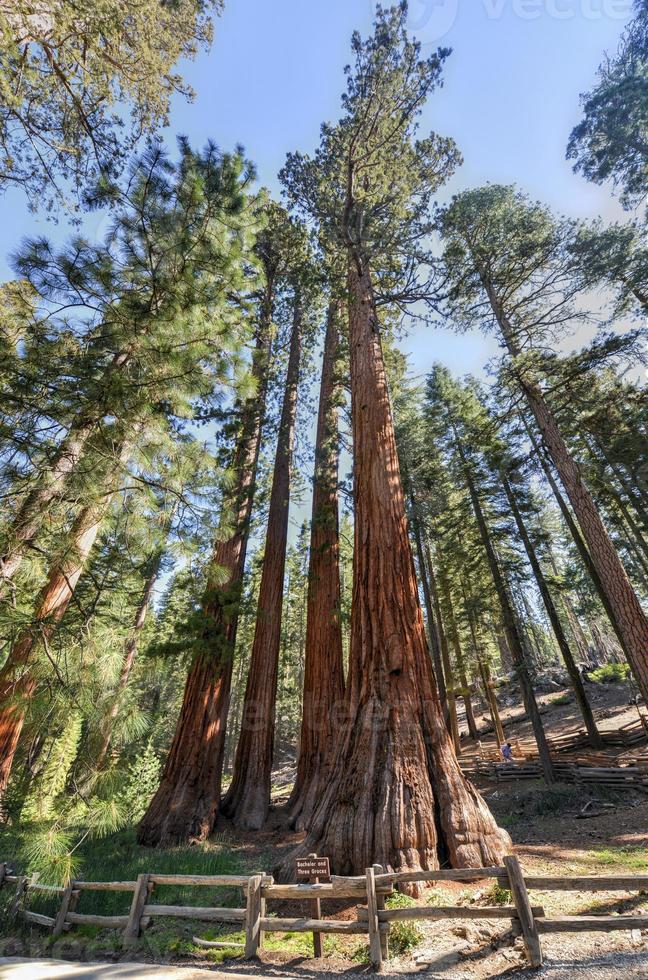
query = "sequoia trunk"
x=397 y=795
x=324 y=669
x=186 y=803
x=248 y=799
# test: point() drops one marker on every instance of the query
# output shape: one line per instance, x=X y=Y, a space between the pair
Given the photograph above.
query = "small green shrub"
x=403 y=936
x=561 y=699
x=496 y=895
x=611 y=674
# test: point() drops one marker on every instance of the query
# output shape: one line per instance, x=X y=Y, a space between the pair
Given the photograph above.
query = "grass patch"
x=118 y=857
x=561 y=699
x=628 y=858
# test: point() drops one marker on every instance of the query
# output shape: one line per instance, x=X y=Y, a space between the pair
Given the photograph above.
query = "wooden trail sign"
x=313 y=867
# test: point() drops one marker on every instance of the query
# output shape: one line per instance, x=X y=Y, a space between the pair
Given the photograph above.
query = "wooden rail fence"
x=577 y=772
x=373 y=918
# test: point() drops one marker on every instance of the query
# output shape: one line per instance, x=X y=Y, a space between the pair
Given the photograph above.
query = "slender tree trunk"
x=130 y=652
x=186 y=803
x=554 y=619
x=576 y=536
x=434 y=638
x=491 y=698
x=461 y=664
x=17 y=680
x=505 y=653
x=247 y=800
x=484 y=672
x=324 y=669
x=397 y=795
x=445 y=656
x=511 y=628
x=33 y=511
x=628 y=612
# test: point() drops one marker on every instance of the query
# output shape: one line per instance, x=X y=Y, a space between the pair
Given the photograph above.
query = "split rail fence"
x=634 y=777
x=373 y=918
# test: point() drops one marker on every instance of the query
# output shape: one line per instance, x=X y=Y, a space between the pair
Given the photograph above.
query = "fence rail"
x=373 y=919
x=578 y=773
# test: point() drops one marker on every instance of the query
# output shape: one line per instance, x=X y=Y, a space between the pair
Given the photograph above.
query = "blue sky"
x=510 y=99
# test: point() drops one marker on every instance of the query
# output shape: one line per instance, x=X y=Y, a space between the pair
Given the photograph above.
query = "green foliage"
x=141 y=783
x=611 y=141
x=404 y=936
x=611 y=674
x=79 y=88
x=371 y=180
x=566 y=698
x=496 y=895
x=50 y=783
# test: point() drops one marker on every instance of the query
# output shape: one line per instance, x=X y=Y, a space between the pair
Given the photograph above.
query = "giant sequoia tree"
x=248 y=798
x=323 y=669
x=397 y=794
x=187 y=800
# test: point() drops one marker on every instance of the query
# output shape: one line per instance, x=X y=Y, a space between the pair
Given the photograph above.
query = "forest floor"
x=545 y=824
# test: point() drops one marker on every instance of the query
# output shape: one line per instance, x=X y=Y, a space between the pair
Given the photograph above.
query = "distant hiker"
x=507 y=752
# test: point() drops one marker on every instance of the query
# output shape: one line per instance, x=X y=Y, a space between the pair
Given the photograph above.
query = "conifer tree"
x=80 y=87
x=509 y=267
x=369 y=187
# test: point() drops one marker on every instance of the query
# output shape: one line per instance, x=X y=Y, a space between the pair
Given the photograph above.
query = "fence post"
x=525 y=912
x=380 y=904
x=253 y=913
x=375 y=951
x=316 y=913
x=59 y=921
x=140 y=896
x=21 y=887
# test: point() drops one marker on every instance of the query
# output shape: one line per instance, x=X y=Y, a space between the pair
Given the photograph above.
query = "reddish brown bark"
x=247 y=800
x=629 y=616
x=186 y=803
x=323 y=669
x=397 y=795
x=17 y=681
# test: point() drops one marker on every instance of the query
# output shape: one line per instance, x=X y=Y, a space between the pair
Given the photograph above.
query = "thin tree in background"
x=507 y=261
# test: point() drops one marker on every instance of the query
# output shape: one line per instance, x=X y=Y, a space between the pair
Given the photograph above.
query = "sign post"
x=313 y=868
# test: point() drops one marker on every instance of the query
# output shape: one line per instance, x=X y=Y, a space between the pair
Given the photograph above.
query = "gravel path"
x=615 y=966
